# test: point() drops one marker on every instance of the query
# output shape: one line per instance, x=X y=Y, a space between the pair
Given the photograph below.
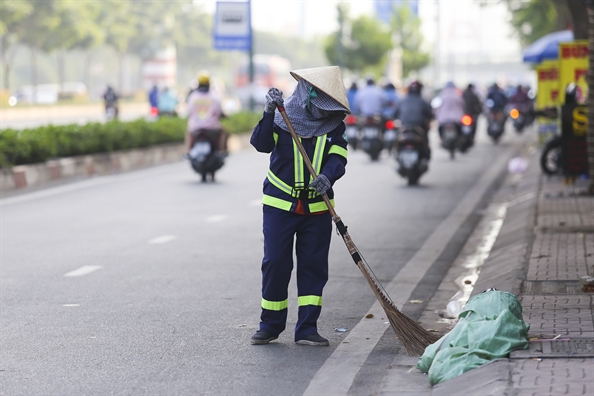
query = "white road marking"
x=162 y=239
x=71 y=305
x=338 y=372
x=216 y=218
x=84 y=270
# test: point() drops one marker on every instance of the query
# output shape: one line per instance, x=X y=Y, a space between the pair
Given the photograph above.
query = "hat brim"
x=328 y=80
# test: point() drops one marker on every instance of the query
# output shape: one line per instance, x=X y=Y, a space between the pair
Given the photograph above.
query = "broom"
x=414 y=338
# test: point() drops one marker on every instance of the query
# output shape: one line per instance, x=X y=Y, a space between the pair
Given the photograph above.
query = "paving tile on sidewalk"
x=558 y=257
x=557 y=376
x=565 y=315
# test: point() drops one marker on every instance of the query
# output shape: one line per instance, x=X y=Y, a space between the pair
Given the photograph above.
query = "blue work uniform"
x=292 y=210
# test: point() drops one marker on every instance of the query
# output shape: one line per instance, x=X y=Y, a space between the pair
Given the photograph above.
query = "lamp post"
x=590 y=103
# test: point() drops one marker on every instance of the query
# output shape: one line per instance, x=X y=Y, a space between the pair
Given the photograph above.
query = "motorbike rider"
x=497 y=98
x=414 y=111
x=204 y=114
x=391 y=101
x=522 y=101
x=167 y=102
x=111 y=100
x=452 y=106
x=351 y=94
x=370 y=99
x=153 y=96
x=472 y=103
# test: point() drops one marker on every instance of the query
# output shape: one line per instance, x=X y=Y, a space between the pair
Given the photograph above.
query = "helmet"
x=415 y=86
x=203 y=77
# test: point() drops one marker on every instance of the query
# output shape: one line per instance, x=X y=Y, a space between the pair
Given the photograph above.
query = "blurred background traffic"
x=65 y=51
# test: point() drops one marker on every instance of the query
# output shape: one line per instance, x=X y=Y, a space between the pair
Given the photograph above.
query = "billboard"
x=232 y=26
x=547 y=95
x=573 y=68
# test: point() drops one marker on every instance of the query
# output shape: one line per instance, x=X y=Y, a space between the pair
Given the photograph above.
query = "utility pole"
x=590 y=103
x=251 y=58
x=342 y=13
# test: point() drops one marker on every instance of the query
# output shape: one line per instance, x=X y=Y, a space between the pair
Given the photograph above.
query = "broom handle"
x=306 y=159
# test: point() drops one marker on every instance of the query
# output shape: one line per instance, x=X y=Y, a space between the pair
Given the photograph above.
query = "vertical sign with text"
x=573 y=68
x=232 y=26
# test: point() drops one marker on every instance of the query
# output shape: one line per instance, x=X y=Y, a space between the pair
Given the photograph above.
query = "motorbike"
x=204 y=157
x=450 y=137
x=550 y=159
x=371 y=140
x=352 y=131
x=111 y=112
x=390 y=135
x=495 y=124
x=520 y=118
x=410 y=144
x=468 y=131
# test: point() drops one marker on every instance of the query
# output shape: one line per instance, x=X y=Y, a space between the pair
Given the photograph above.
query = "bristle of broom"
x=413 y=337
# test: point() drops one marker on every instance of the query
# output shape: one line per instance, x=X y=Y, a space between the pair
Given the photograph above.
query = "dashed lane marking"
x=162 y=239
x=84 y=270
x=216 y=218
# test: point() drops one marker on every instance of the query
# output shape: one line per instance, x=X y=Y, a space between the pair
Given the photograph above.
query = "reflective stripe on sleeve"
x=310 y=300
x=338 y=150
x=275 y=305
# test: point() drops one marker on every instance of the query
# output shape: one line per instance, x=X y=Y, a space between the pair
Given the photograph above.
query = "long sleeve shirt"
x=331 y=148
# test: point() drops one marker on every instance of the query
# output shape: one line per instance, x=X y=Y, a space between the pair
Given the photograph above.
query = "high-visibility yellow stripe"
x=338 y=150
x=275 y=136
x=281 y=185
x=319 y=206
x=298 y=165
x=319 y=153
x=310 y=300
x=275 y=305
x=276 y=202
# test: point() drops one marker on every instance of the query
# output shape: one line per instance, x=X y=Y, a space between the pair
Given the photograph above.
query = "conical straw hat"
x=327 y=79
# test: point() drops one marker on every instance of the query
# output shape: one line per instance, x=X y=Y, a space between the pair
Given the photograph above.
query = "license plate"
x=200 y=149
x=408 y=158
x=467 y=129
x=370 y=132
x=351 y=132
x=390 y=135
x=450 y=134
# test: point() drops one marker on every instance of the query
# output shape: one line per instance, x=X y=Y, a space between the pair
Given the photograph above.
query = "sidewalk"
x=545 y=245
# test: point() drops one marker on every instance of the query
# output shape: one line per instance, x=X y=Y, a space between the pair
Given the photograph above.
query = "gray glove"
x=274 y=98
x=321 y=184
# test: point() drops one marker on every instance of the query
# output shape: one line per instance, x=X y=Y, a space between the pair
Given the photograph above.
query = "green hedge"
x=18 y=147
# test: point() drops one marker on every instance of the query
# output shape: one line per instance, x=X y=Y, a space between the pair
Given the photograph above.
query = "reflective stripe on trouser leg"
x=279 y=229
x=312 y=247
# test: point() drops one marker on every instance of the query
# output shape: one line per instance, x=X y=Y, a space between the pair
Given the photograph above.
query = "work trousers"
x=311 y=234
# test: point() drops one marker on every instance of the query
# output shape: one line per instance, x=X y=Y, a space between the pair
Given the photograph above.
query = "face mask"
x=318 y=113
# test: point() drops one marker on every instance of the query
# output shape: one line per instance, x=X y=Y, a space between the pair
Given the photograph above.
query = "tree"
x=365 y=48
x=12 y=16
x=406 y=30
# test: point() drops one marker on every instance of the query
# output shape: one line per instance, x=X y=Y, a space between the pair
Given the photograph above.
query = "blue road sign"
x=232 y=28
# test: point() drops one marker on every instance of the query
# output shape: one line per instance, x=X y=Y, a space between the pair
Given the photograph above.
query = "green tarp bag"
x=489 y=327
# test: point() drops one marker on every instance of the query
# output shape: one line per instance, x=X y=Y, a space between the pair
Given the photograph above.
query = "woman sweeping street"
x=293 y=208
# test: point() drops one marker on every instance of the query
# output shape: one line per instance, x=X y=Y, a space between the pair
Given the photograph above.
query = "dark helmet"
x=415 y=86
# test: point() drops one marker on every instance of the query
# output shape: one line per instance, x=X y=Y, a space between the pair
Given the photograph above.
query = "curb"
x=505 y=269
x=84 y=166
